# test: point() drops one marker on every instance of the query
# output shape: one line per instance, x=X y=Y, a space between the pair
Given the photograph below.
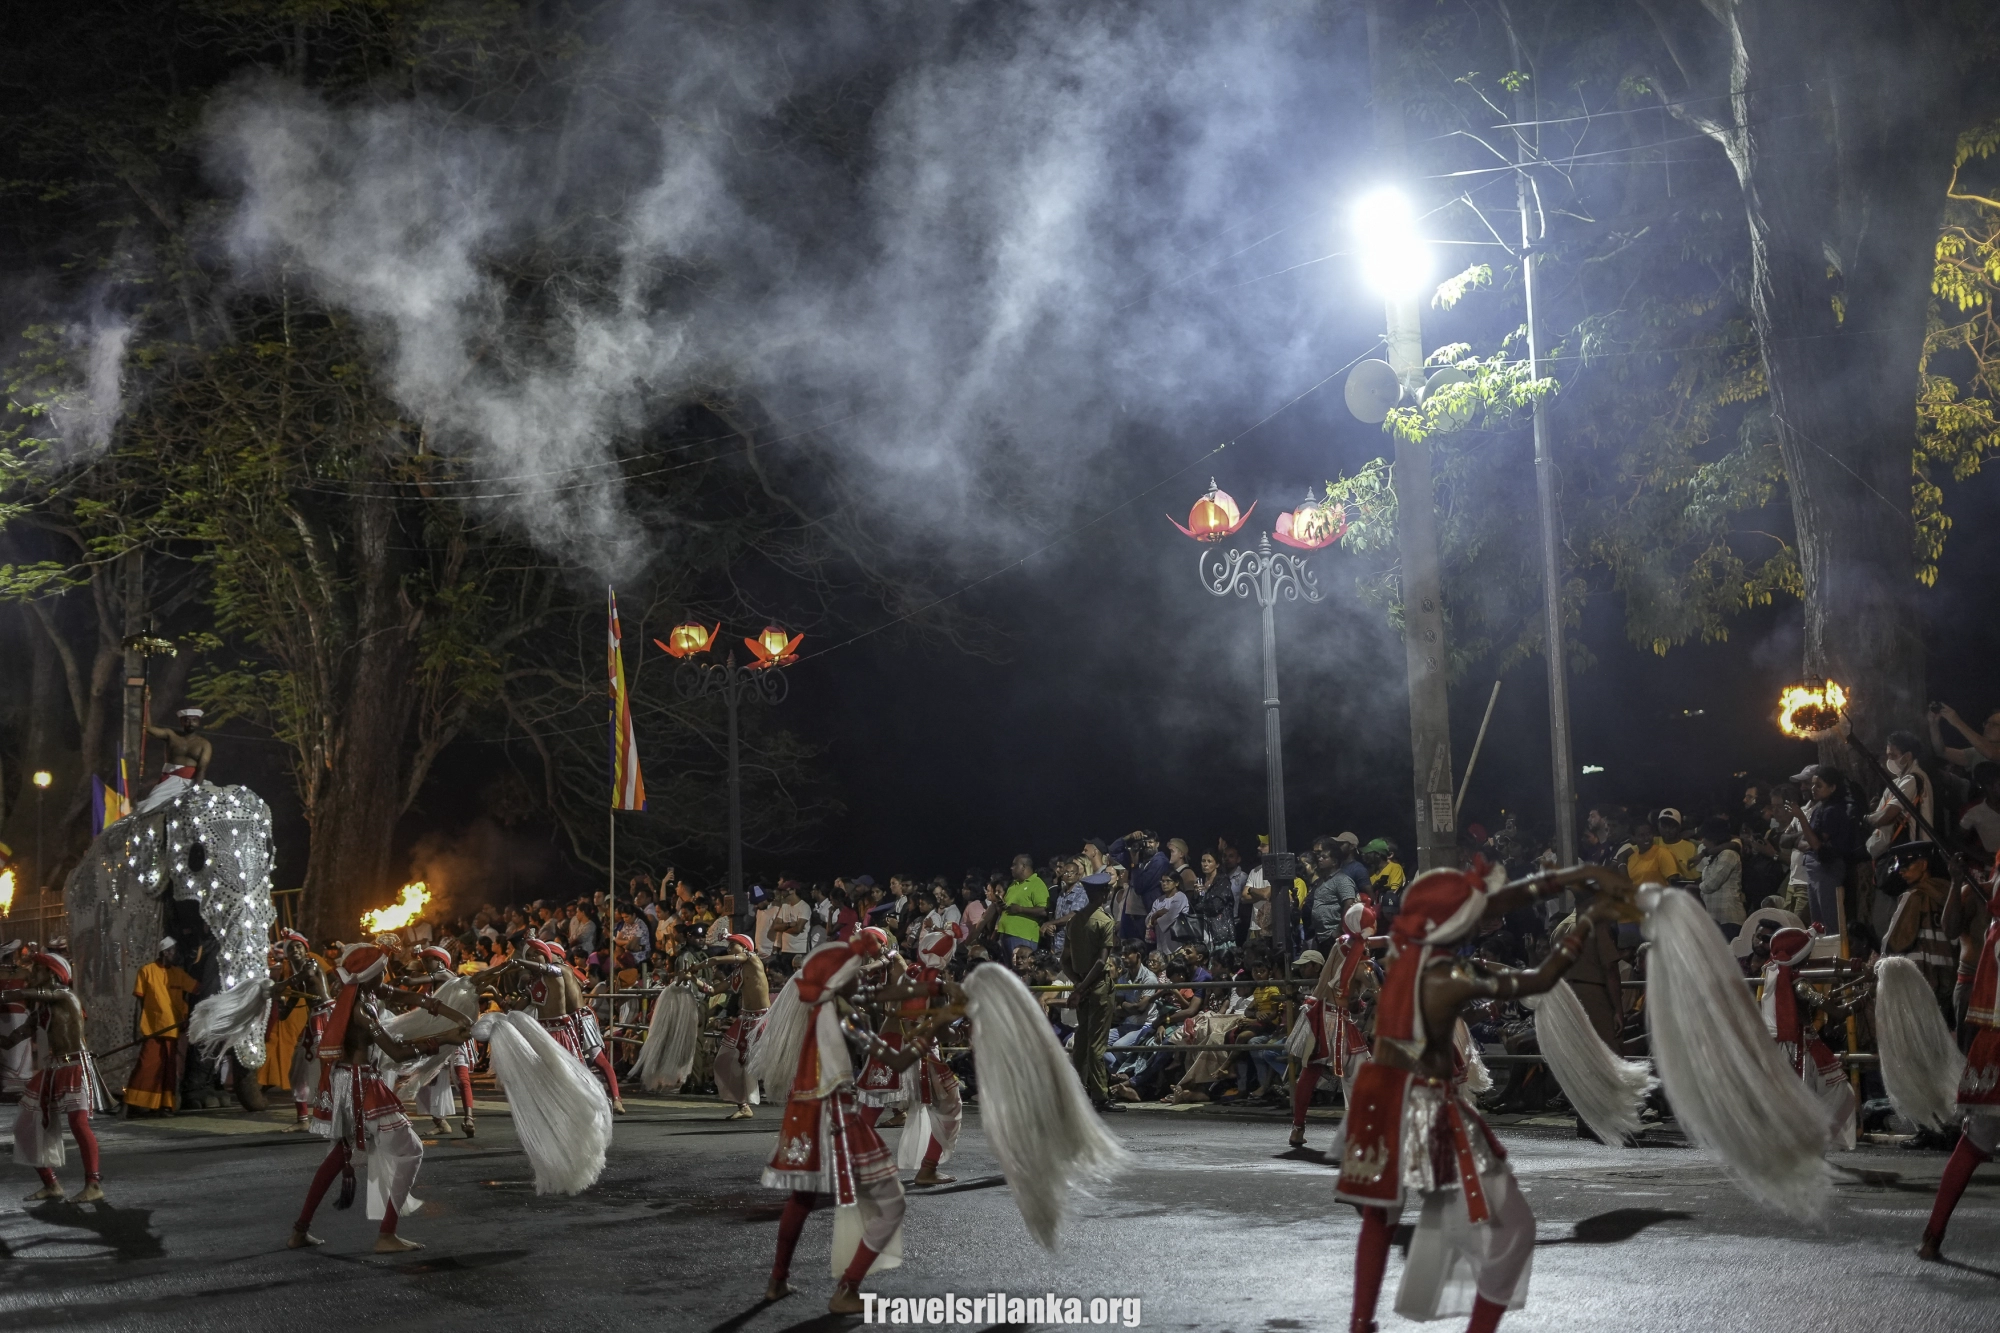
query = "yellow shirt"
x=161 y=992
x=1389 y=878
x=1656 y=864
x=1685 y=854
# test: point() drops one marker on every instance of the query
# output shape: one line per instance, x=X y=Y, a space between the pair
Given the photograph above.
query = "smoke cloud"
x=84 y=413
x=964 y=283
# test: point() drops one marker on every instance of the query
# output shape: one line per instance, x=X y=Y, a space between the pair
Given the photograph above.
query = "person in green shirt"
x=1087 y=957
x=1024 y=908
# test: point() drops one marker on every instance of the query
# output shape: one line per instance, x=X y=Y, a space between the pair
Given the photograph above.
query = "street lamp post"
x=1268 y=576
x=762 y=678
x=42 y=780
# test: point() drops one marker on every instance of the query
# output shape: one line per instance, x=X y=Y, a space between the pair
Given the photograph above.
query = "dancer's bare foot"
x=438 y=1126
x=92 y=1192
x=1929 y=1249
x=46 y=1192
x=894 y=1120
x=391 y=1243
x=301 y=1239
x=1299 y=1136
x=467 y=1125
x=777 y=1290
x=932 y=1177
x=742 y=1112
x=845 y=1300
x=618 y=1106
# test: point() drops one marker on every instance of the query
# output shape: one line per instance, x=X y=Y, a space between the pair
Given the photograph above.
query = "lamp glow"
x=1394 y=260
x=43 y=778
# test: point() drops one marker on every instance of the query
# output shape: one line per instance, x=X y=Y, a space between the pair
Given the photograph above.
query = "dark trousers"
x=1093 y=1040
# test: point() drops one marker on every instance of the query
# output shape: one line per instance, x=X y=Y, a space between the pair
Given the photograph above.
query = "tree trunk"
x=1842 y=143
x=358 y=801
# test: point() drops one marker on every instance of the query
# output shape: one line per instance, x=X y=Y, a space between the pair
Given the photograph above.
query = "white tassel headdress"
x=1730 y=1088
x=1605 y=1090
x=1921 y=1064
x=667 y=1054
x=1039 y=1122
x=233 y=1019
x=561 y=1113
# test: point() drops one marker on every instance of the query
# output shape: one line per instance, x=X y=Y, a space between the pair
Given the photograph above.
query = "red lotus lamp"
x=1312 y=525
x=1214 y=516
x=689 y=639
x=774 y=647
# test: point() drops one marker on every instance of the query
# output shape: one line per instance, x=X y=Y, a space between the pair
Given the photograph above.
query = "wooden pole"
x=1478 y=741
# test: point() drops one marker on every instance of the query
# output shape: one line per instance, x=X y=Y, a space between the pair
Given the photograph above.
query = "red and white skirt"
x=355 y=1105
x=826 y=1148
x=1979 y=1086
x=1409 y=1135
x=879 y=1085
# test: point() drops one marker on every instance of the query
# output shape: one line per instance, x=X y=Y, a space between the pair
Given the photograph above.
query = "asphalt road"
x=1217 y=1227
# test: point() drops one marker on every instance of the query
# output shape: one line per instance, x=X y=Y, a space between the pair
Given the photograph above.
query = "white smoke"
x=85 y=412
x=960 y=302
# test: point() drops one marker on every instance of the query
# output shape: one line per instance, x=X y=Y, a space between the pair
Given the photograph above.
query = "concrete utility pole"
x=1562 y=763
x=1416 y=518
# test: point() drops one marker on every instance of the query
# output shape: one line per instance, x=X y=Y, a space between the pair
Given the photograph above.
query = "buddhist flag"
x=107 y=806
x=628 y=787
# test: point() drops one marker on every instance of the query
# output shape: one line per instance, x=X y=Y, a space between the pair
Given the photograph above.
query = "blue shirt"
x=1145 y=878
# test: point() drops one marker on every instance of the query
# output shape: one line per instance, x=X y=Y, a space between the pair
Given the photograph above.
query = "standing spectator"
x=1071 y=898
x=1669 y=824
x=972 y=903
x=1024 y=906
x=1649 y=862
x=1215 y=904
x=1889 y=822
x=1331 y=894
x=791 y=925
x=842 y=917
x=1139 y=852
x=1168 y=909
x=1981 y=820
x=1086 y=959
x=944 y=912
x=1721 y=868
x=1985 y=744
x=1827 y=834
x=1347 y=850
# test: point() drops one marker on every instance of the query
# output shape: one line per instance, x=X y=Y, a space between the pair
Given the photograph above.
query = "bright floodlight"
x=1394 y=259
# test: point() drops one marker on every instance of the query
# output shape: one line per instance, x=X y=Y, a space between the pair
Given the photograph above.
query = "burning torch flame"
x=6 y=891
x=406 y=910
x=1810 y=712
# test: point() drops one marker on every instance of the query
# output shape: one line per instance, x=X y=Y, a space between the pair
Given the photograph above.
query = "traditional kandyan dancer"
x=557 y=998
x=751 y=995
x=1978 y=1090
x=305 y=983
x=812 y=1042
x=357 y=1109
x=1328 y=1039
x=64 y=1084
x=1411 y=1131
x=435 y=1097
x=1785 y=1004
x=938 y=1110
x=883 y=1086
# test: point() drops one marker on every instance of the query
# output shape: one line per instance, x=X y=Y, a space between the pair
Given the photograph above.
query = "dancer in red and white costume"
x=435 y=1098
x=1338 y=1045
x=1785 y=1004
x=752 y=992
x=305 y=984
x=555 y=993
x=1413 y=1135
x=64 y=1085
x=357 y=1109
x=882 y=1087
x=1978 y=1090
x=818 y=1029
x=937 y=1090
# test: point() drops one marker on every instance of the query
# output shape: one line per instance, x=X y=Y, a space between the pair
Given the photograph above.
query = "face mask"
x=1900 y=766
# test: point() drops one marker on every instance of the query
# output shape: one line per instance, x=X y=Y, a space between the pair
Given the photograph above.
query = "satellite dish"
x=1372 y=389
x=1460 y=413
